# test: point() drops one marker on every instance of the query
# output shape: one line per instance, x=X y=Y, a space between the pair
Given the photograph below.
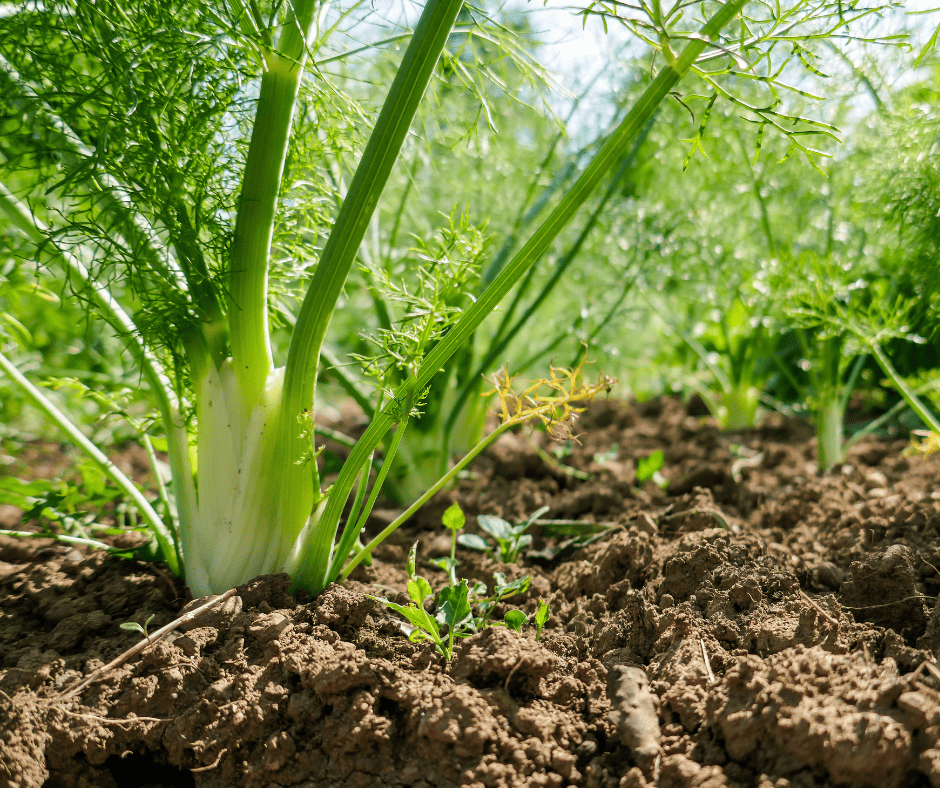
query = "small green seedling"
x=464 y=608
x=453 y=520
x=510 y=539
x=133 y=626
x=541 y=616
x=515 y=619
x=453 y=610
x=648 y=469
x=610 y=455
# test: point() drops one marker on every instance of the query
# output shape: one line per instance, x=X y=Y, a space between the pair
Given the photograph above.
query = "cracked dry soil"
x=754 y=624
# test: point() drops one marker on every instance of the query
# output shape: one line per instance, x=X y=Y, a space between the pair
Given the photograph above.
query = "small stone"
x=827 y=575
x=876 y=479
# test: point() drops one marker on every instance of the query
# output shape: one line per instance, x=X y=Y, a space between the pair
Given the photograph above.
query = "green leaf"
x=541 y=616
x=132 y=626
x=416 y=616
x=928 y=48
x=515 y=619
x=93 y=479
x=504 y=590
x=454 y=605
x=454 y=518
x=449 y=565
x=419 y=589
x=646 y=467
x=496 y=527
x=474 y=542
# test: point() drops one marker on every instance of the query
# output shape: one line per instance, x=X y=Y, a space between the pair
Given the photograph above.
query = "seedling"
x=453 y=520
x=464 y=608
x=515 y=619
x=541 y=616
x=510 y=540
x=133 y=626
x=647 y=469
x=453 y=610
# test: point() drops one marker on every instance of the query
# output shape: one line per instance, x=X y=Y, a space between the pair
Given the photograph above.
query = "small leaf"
x=132 y=626
x=93 y=479
x=646 y=467
x=518 y=586
x=541 y=616
x=514 y=620
x=474 y=542
x=495 y=526
x=454 y=604
x=449 y=565
x=419 y=589
x=454 y=518
x=931 y=44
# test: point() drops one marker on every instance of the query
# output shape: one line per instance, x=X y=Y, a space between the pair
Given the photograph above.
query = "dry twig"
x=818 y=609
x=708 y=666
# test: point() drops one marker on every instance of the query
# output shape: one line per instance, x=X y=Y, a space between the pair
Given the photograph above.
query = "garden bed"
x=781 y=617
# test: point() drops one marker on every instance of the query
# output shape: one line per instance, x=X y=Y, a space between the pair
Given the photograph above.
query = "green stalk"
x=340 y=251
x=311 y=572
x=360 y=520
x=177 y=438
x=829 y=433
x=161 y=533
x=366 y=551
x=910 y=397
x=254 y=225
x=362 y=198
x=740 y=406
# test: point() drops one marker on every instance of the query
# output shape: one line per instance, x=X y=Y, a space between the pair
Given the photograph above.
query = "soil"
x=754 y=623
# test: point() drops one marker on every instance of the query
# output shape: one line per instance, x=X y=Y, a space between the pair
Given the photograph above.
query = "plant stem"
x=362 y=198
x=163 y=536
x=404 y=516
x=829 y=428
x=904 y=390
x=261 y=183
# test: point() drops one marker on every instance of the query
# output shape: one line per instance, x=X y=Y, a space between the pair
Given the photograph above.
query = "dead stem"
x=512 y=672
x=818 y=609
x=708 y=666
x=117 y=720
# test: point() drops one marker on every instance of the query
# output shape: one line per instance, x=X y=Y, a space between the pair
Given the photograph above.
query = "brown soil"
x=755 y=624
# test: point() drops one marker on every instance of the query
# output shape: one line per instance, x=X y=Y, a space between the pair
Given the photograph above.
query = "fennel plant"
x=174 y=249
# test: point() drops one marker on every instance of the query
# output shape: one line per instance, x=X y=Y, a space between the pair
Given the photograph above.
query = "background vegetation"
x=767 y=242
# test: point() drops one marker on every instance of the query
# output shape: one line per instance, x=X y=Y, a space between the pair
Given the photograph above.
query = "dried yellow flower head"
x=929 y=443
x=554 y=400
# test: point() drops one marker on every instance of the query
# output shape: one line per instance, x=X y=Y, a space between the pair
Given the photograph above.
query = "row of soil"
x=751 y=623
